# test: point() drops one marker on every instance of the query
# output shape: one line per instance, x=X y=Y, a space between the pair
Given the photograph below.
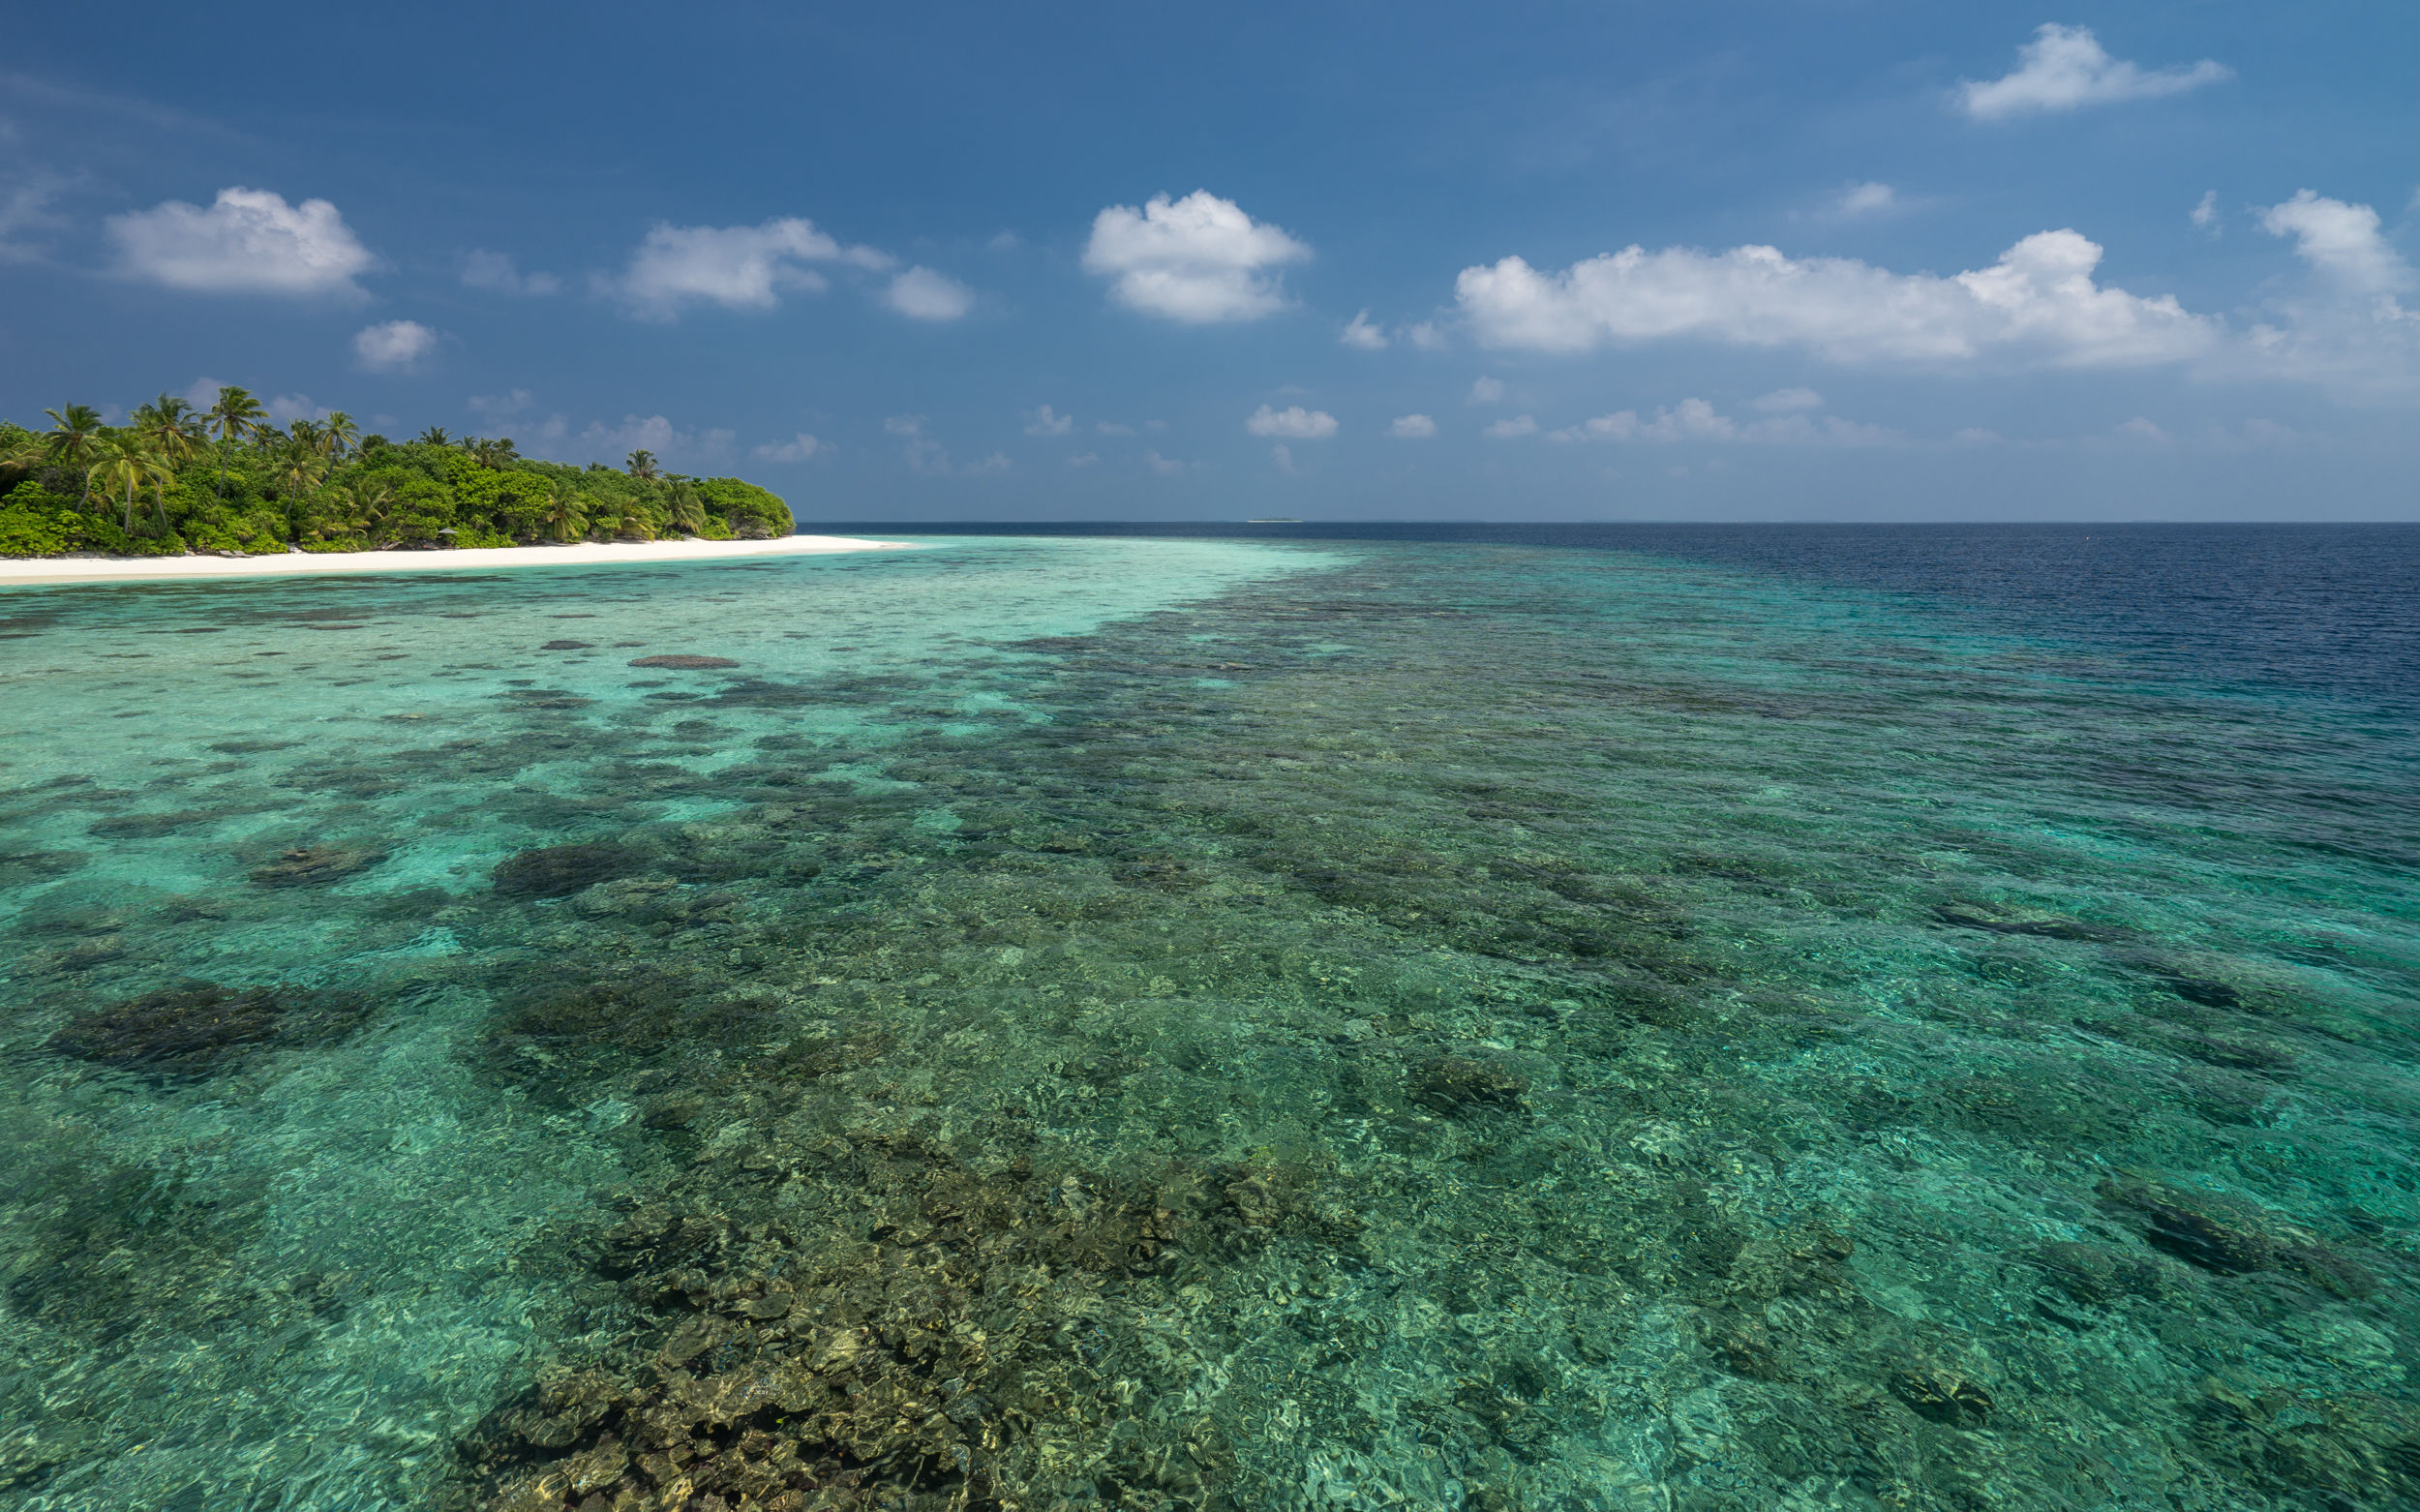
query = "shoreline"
x=34 y=571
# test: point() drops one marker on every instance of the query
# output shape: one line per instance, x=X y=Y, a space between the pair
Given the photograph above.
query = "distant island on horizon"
x=177 y=479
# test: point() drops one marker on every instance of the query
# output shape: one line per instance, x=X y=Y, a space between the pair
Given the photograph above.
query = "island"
x=175 y=481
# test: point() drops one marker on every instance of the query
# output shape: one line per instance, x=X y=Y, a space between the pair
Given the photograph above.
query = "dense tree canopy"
x=173 y=480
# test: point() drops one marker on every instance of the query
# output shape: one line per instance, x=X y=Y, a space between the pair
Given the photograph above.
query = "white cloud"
x=1362 y=334
x=1865 y=199
x=1199 y=259
x=25 y=206
x=203 y=392
x=612 y=443
x=797 y=448
x=1084 y=460
x=249 y=241
x=1165 y=466
x=2340 y=240
x=394 y=347
x=1487 y=391
x=2065 y=68
x=1413 y=426
x=2139 y=429
x=921 y=294
x=1505 y=430
x=286 y=408
x=2038 y=305
x=1048 y=423
x=1696 y=420
x=498 y=406
x=2348 y=330
x=1787 y=399
x=495 y=270
x=1293 y=422
x=926 y=456
x=2205 y=215
x=739 y=267
x=1424 y=336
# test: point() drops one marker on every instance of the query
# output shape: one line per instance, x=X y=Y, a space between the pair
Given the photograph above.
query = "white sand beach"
x=21 y=571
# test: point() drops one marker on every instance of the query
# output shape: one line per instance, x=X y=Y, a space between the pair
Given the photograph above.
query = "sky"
x=1812 y=260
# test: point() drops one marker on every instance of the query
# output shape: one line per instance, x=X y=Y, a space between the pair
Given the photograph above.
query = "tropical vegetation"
x=174 y=478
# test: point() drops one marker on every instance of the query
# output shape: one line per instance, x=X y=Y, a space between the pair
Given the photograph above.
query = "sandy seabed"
x=19 y=571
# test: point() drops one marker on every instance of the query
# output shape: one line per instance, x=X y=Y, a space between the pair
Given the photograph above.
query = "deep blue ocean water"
x=1617 y=1016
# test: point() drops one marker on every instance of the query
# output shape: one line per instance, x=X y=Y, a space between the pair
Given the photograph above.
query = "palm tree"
x=337 y=433
x=643 y=467
x=363 y=506
x=74 y=441
x=565 y=514
x=234 y=415
x=298 y=470
x=688 y=512
x=493 y=455
x=435 y=436
x=174 y=429
x=128 y=459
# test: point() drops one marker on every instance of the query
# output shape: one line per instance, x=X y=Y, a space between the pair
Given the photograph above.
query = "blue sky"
x=923 y=261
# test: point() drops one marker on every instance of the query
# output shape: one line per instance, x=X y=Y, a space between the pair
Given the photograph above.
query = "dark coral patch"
x=197 y=1029
x=560 y=870
x=686 y=663
x=316 y=865
x=565 y=645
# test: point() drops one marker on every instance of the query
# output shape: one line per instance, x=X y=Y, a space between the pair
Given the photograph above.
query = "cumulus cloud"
x=1199 y=259
x=1364 y=335
x=921 y=294
x=498 y=406
x=1165 y=466
x=1424 y=336
x=1487 y=391
x=2340 y=240
x=2346 y=330
x=1865 y=199
x=1696 y=420
x=611 y=443
x=286 y=408
x=394 y=347
x=797 y=448
x=495 y=270
x=1046 y=422
x=1294 y=422
x=2036 y=305
x=926 y=456
x=1413 y=426
x=739 y=267
x=2065 y=68
x=25 y=206
x=2206 y=214
x=249 y=241
x=1506 y=430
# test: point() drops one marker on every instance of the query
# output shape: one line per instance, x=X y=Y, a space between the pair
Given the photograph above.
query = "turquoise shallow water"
x=1182 y=1023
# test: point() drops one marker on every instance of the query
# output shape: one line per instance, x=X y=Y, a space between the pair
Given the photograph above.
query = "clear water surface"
x=1531 y=1020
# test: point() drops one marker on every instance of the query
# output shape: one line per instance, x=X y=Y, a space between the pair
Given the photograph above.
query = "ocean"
x=1289 y=1016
